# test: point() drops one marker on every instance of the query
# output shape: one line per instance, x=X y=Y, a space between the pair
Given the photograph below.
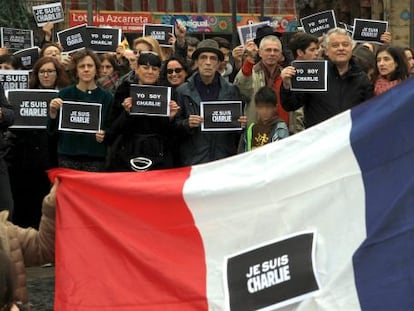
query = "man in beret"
x=206 y=84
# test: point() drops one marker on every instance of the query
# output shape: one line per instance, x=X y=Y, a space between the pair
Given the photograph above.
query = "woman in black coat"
x=142 y=137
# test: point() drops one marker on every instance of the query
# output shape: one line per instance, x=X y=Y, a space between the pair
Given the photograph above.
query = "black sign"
x=48 y=13
x=14 y=79
x=102 y=40
x=150 y=100
x=310 y=76
x=159 y=32
x=368 y=30
x=30 y=107
x=221 y=115
x=319 y=23
x=73 y=39
x=273 y=275
x=28 y=57
x=16 y=39
x=80 y=117
x=248 y=32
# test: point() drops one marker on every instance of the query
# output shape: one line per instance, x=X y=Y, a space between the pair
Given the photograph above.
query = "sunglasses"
x=138 y=52
x=176 y=70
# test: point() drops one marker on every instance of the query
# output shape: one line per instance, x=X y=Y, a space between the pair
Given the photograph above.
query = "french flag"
x=322 y=220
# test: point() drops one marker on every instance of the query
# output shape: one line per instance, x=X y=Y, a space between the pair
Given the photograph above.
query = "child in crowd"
x=268 y=127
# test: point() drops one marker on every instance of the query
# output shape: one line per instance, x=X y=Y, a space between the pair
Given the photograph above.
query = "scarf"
x=382 y=85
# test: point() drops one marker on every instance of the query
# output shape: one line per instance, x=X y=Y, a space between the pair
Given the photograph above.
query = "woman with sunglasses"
x=174 y=72
x=140 y=136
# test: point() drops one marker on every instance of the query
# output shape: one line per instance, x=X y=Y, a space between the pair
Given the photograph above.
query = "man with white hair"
x=348 y=85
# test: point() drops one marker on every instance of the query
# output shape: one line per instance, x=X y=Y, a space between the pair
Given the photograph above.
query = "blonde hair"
x=154 y=45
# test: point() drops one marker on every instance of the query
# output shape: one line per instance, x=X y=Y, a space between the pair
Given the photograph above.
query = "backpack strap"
x=249 y=135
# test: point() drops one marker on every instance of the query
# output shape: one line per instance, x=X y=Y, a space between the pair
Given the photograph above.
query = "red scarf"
x=382 y=85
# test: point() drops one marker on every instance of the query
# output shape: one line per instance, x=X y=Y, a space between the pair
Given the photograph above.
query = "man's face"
x=270 y=52
x=207 y=64
x=190 y=51
x=226 y=53
x=311 y=52
x=339 y=49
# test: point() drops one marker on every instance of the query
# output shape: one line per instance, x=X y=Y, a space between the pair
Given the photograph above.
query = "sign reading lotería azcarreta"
x=219 y=23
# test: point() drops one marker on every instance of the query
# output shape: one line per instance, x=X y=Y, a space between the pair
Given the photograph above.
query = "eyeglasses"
x=138 y=52
x=49 y=72
x=176 y=70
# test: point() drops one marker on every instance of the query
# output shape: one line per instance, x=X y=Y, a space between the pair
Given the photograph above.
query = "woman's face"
x=176 y=74
x=386 y=64
x=410 y=60
x=147 y=74
x=47 y=76
x=86 y=70
x=54 y=52
x=106 y=68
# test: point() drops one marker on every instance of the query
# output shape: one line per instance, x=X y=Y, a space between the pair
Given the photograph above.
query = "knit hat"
x=208 y=45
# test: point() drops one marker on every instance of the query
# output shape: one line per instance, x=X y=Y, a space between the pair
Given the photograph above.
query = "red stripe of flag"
x=116 y=250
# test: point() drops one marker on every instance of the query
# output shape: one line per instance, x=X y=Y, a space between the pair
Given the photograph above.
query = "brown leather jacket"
x=27 y=246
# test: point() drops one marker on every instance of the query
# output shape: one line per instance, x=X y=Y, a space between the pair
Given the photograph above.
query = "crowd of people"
x=258 y=74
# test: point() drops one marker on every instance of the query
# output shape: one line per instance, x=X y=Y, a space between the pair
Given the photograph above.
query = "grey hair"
x=339 y=31
x=272 y=39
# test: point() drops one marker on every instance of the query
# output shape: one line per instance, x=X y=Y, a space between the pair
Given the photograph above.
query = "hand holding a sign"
x=287 y=74
x=55 y=105
x=243 y=121
x=251 y=49
x=127 y=104
x=237 y=54
x=173 y=109
x=47 y=30
x=386 y=37
x=100 y=135
x=194 y=120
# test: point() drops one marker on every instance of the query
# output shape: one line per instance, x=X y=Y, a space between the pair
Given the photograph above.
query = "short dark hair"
x=192 y=41
x=78 y=56
x=149 y=58
x=301 y=41
x=111 y=59
x=10 y=59
x=223 y=43
x=266 y=95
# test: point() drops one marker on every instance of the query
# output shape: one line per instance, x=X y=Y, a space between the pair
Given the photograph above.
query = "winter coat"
x=344 y=92
x=195 y=146
x=27 y=246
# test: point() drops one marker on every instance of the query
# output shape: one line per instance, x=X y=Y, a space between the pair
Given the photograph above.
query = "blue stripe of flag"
x=382 y=138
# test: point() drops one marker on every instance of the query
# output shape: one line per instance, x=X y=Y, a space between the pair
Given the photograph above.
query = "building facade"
x=281 y=12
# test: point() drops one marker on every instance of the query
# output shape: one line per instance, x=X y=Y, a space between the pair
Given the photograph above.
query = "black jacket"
x=6 y=121
x=134 y=136
x=201 y=147
x=343 y=92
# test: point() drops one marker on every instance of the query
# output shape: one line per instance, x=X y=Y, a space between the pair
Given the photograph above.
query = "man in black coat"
x=348 y=85
x=206 y=84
